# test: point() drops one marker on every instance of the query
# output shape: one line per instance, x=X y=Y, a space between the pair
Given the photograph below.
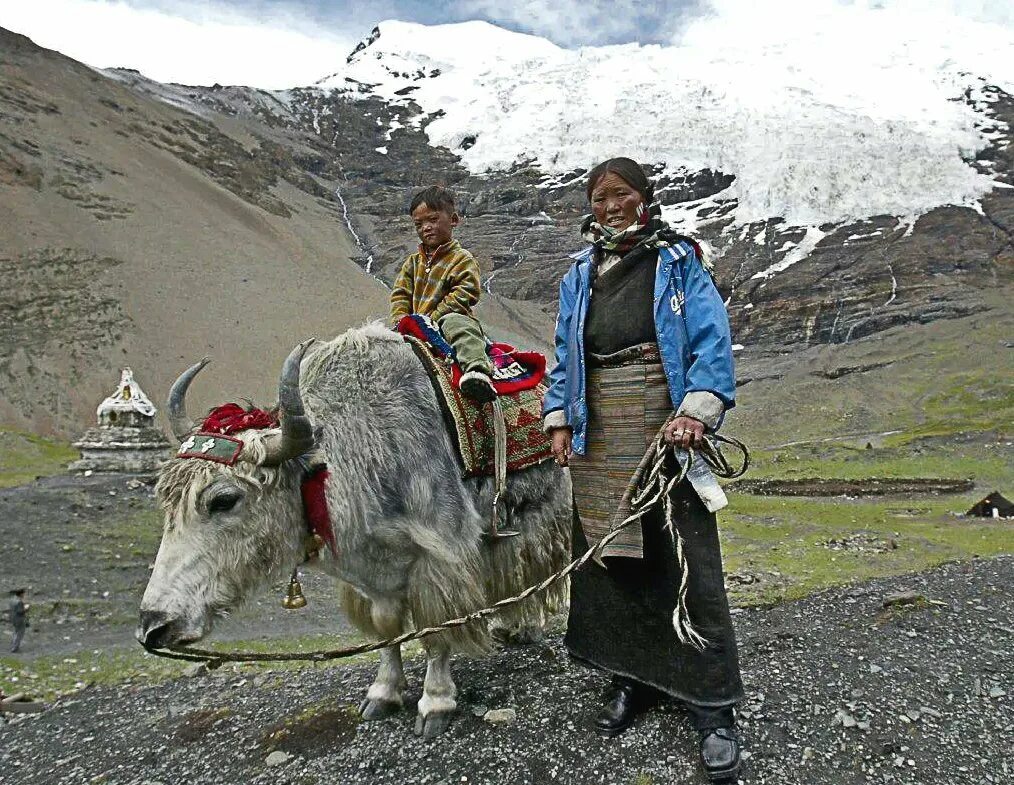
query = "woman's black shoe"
x=720 y=754
x=618 y=713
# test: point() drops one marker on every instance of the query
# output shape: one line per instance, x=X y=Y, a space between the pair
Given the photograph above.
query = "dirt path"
x=841 y=690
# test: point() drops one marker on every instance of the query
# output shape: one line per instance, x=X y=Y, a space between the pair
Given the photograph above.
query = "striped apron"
x=628 y=401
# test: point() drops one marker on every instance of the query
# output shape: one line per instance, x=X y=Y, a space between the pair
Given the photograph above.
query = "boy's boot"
x=465 y=334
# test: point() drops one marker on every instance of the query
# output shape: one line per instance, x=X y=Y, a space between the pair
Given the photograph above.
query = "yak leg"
x=437 y=704
x=384 y=696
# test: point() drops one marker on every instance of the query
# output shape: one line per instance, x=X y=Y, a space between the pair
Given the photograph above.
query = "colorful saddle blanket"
x=518 y=378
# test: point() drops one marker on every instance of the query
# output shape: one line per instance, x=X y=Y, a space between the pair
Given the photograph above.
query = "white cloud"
x=196 y=43
x=586 y=22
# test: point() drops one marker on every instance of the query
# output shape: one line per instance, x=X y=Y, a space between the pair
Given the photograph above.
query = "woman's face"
x=614 y=202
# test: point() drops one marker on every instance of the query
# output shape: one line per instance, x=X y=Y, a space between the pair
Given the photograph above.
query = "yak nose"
x=155 y=630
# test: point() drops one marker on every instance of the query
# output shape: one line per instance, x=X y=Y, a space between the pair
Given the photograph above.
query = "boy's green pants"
x=466 y=336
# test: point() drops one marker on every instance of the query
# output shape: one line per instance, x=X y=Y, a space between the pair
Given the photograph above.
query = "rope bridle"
x=650 y=484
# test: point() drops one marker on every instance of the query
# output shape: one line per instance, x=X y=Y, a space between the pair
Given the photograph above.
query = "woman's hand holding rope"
x=685 y=432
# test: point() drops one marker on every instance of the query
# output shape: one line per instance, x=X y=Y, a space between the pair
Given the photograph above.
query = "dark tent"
x=995 y=501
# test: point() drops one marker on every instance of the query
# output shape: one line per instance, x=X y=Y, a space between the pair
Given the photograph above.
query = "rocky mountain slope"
x=134 y=231
x=828 y=270
x=150 y=223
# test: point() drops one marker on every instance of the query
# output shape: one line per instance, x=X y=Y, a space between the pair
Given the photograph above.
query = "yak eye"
x=224 y=502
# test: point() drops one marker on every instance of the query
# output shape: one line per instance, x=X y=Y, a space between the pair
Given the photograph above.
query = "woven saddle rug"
x=518 y=378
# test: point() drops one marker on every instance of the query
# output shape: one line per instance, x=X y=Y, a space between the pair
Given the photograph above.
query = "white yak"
x=408 y=528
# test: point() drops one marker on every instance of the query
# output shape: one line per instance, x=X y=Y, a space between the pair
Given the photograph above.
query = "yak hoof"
x=378 y=709
x=433 y=724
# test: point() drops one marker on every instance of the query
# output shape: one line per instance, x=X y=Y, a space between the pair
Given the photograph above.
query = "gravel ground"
x=841 y=690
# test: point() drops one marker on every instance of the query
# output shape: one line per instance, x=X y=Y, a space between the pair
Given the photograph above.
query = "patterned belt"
x=643 y=354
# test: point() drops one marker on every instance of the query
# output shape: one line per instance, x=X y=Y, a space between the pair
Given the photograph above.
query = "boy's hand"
x=561 y=438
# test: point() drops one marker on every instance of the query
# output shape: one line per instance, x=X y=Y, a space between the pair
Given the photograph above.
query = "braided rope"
x=643 y=497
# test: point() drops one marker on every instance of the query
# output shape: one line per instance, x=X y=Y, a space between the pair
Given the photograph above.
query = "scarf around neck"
x=648 y=230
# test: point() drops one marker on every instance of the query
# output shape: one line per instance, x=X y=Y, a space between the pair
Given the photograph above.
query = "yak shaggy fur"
x=409 y=528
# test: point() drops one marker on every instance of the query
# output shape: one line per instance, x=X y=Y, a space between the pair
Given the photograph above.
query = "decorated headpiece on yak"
x=288 y=431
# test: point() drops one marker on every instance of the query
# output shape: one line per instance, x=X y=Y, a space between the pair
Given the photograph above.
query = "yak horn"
x=296 y=437
x=181 y=425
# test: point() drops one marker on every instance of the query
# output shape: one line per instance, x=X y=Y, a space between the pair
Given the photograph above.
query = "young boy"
x=441 y=281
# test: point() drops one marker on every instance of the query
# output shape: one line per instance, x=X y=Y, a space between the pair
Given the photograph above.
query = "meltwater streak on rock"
x=368 y=267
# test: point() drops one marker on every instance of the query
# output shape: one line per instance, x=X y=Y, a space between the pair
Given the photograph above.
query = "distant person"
x=18 y=613
x=441 y=281
x=642 y=341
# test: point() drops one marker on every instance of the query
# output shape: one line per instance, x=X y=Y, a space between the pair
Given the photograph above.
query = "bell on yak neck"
x=294 y=599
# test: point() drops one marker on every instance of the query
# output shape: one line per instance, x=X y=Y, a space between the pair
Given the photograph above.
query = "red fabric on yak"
x=230 y=418
x=315 y=506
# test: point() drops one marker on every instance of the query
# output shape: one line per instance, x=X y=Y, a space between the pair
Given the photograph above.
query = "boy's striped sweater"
x=445 y=282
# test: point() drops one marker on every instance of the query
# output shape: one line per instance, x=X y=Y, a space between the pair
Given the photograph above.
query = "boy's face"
x=433 y=226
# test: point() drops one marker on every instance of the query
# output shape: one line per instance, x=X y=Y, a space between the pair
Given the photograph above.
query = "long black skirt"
x=621 y=617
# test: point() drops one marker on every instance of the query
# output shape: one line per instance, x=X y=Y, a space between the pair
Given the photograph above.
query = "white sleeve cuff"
x=704 y=406
x=554 y=419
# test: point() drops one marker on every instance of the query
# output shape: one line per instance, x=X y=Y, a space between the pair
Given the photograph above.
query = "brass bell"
x=294 y=599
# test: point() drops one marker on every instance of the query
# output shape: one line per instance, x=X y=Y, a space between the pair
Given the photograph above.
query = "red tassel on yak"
x=231 y=418
x=315 y=506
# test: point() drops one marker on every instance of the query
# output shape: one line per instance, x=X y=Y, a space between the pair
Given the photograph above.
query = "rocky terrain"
x=906 y=680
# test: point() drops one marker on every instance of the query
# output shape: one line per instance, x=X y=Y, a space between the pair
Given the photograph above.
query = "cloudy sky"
x=282 y=43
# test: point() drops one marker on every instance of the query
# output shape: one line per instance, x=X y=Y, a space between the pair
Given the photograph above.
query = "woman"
x=652 y=339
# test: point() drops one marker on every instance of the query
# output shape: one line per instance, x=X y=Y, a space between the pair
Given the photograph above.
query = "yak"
x=408 y=527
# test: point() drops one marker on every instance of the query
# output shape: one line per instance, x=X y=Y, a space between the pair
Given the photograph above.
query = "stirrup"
x=496 y=533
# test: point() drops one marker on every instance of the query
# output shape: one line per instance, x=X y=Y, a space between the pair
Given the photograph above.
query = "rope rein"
x=649 y=485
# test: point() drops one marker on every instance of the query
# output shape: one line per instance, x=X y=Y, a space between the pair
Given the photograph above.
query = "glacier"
x=825 y=112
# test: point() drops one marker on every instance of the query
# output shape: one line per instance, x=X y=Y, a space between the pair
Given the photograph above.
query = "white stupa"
x=126 y=438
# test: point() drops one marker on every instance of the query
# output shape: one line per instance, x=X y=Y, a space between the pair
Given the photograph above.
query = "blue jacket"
x=692 y=327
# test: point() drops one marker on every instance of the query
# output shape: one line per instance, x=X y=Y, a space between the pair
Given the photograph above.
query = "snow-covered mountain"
x=832 y=116
x=852 y=167
x=867 y=146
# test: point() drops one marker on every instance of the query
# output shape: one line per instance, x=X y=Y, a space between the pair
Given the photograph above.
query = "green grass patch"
x=988 y=463
x=779 y=548
x=122 y=537
x=25 y=456
x=51 y=676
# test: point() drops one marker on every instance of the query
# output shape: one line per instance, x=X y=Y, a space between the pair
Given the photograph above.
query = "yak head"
x=231 y=523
